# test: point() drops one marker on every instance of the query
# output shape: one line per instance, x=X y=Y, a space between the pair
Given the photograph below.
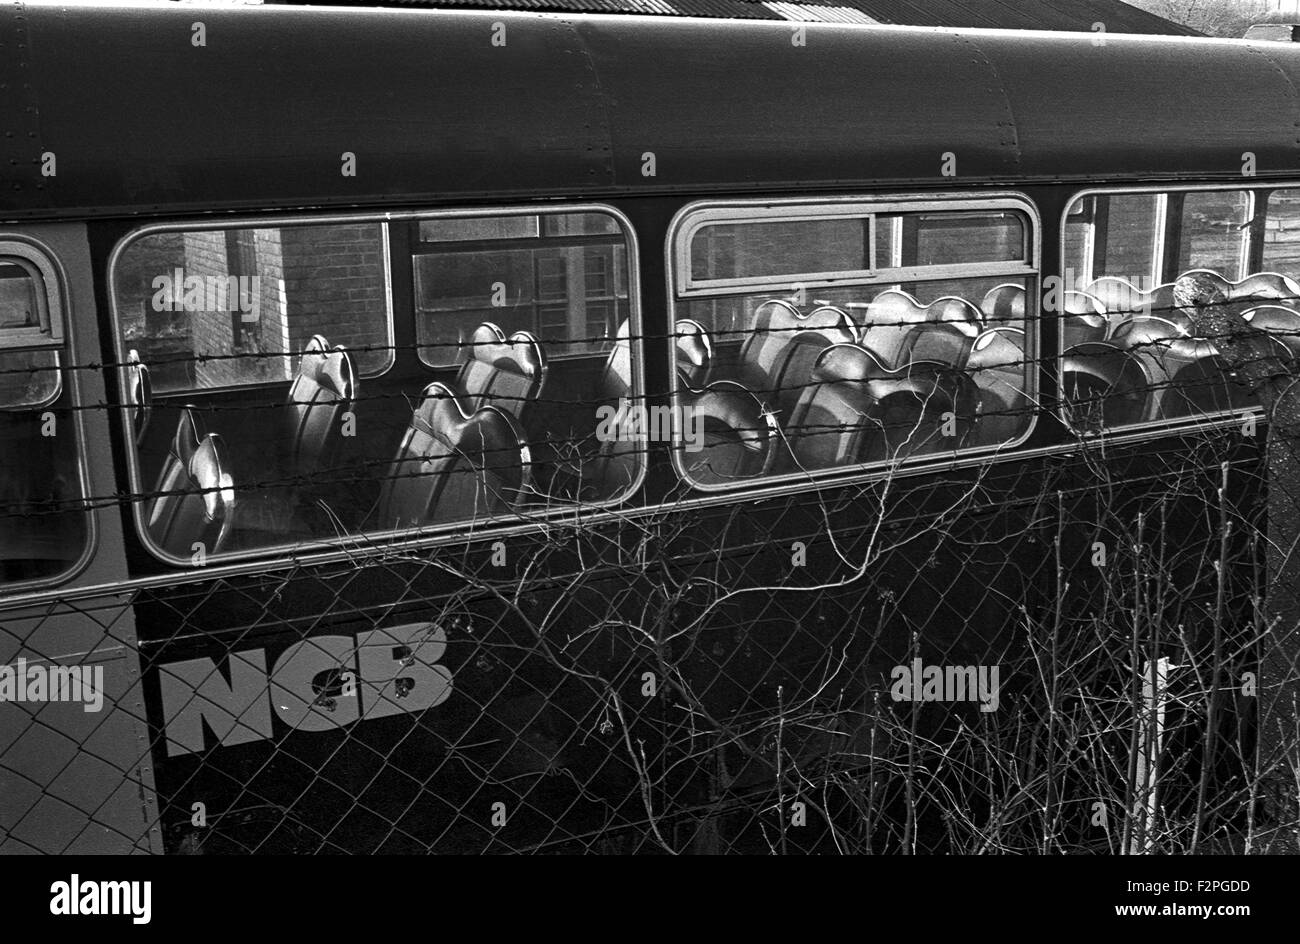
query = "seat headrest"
x=894 y=308
x=1270 y=285
x=694 y=348
x=188 y=435
x=329 y=368
x=730 y=404
x=1004 y=303
x=488 y=437
x=1085 y=304
x=139 y=393
x=616 y=381
x=1148 y=332
x=520 y=353
x=209 y=474
x=783 y=320
x=851 y=362
x=1118 y=296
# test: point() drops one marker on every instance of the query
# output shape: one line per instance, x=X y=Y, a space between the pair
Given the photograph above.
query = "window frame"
x=1138 y=432
x=541 y=240
x=58 y=301
x=681 y=288
x=226 y=226
x=50 y=334
x=682 y=232
x=375 y=541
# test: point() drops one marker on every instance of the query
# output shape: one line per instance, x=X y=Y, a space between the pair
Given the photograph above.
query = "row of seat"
x=1137 y=360
x=809 y=390
x=894 y=380
x=194 y=501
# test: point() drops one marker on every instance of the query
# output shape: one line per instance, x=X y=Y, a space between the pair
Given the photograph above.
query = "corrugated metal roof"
x=1117 y=16
x=1076 y=15
x=819 y=13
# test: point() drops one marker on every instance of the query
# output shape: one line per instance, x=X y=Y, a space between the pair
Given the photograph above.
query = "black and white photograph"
x=651 y=427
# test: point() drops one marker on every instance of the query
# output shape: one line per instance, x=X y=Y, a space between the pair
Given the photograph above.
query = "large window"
x=815 y=337
x=270 y=406
x=43 y=522
x=1131 y=357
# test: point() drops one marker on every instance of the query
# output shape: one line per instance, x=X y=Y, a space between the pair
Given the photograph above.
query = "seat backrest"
x=508 y=373
x=1282 y=324
x=1102 y=384
x=775 y=353
x=139 y=395
x=1083 y=318
x=323 y=390
x=893 y=316
x=1200 y=382
x=454 y=464
x=1004 y=305
x=737 y=436
x=997 y=366
x=194 y=499
x=616 y=378
x=859 y=410
x=946 y=344
x=694 y=351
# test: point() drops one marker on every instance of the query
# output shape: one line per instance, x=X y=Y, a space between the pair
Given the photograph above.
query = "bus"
x=478 y=431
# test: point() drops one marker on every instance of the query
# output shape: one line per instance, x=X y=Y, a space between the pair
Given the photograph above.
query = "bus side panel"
x=72 y=779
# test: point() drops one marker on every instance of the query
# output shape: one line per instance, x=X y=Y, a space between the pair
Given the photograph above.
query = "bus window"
x=44 y=529
x=1212 y=232
x=269 y=409
x=1281 y=250
x=851 y=337
x=562 y=277
x=1130 y=357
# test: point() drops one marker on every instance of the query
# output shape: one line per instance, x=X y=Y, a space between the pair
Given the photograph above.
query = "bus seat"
x=195 y=496
x=997 y=366
x=508 y=373
x=893 y=315
x=139 y=395
x=1083 y=319
x=1282 y=324
x=1102 y=385
x=1200 y=383
x=1004 y=305
x=858 y=409
x=454 y=465
x=783 y=344
x=945 y=343
x=1160 y=345
x=738 y=435
x=323 y=390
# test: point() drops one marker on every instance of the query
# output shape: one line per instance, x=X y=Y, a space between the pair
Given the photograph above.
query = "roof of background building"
x=1073 y=15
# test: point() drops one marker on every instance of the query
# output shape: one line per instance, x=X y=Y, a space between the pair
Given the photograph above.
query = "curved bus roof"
x=140 y=119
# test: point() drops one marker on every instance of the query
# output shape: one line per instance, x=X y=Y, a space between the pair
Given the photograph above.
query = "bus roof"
x=145 y=108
